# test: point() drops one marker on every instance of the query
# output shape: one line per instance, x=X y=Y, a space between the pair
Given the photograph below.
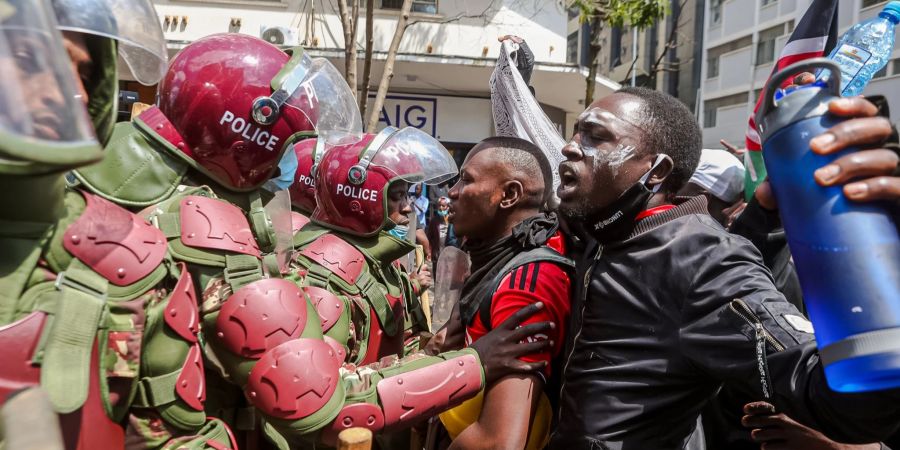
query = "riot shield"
x=449 y=275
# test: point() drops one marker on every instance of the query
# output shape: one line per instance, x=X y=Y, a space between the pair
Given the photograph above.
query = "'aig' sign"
x=409 y=111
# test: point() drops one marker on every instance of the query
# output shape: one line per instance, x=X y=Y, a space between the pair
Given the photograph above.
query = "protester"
x=672 y=305
x=443 y=213
x=420 y=204
x=438 y=227
x=719 y=177
x=497 y=205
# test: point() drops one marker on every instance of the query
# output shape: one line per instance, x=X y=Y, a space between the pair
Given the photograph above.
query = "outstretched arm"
x=268 y=339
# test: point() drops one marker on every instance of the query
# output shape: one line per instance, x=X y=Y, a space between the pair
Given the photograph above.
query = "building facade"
x=742 y=40
x=669 y=54
x=443 y=67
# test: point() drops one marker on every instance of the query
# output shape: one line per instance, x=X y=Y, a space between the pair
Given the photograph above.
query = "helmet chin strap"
x=265 y=110
x=357 y=173
x=317 y=154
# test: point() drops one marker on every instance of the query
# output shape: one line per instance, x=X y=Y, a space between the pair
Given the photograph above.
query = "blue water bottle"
x=865 y=49
x=847 y=254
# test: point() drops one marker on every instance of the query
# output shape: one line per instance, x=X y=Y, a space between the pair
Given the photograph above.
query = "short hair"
x=523 y=157
x=672 y=129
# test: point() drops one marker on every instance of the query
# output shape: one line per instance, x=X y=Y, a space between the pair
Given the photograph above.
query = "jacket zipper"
x=584 y=292
x=762 y=337
x=743 y=310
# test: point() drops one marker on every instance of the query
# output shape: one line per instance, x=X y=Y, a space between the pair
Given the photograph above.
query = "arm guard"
x=409 y=392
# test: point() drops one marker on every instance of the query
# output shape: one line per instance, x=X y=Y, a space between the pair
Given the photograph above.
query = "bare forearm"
x=506 y=415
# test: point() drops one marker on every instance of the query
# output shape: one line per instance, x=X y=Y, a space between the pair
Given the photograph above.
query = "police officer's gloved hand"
x=501 y=348
x=780 y=432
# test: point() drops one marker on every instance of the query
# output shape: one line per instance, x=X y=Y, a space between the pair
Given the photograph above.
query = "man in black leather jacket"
x=668 y=306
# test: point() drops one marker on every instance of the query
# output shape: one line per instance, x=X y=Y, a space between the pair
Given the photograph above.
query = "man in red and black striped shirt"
x=516 y=250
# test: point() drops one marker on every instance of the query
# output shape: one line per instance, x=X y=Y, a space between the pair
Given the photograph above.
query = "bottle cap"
x=891 y=11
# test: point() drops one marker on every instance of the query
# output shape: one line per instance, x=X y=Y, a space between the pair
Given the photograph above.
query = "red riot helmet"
x=231 y=104
x=308 y=153
x=352 y=180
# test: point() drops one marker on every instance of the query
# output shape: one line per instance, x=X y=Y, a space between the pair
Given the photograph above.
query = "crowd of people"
x=230 y=269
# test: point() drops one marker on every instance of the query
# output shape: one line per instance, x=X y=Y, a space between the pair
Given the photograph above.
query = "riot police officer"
x=92 y=304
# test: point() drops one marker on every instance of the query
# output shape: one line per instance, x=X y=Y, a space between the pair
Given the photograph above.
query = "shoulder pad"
x=260 y=316
x=295 y=379
x=191 y=383
x=328 y=305
x=118 y=245
x=181 y=311
x=134 y=170
x=297 y=221
x=336 y=255
x=215 y=224
x=340 y=351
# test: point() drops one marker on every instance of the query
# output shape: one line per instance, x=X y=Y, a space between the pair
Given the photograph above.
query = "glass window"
x=572 y=48
x=419 y=6
x=895 y=67
x=715 y=10
x=711 y=107
x=615 y=48
x=713 y=54
x=712 y=67
x=881 y=73
x=868 y=3
x=768 y=2
x=709 y=117
x=765 y=46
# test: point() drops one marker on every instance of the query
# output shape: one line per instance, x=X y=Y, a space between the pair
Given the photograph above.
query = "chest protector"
x=374 y=320
x=106 y=323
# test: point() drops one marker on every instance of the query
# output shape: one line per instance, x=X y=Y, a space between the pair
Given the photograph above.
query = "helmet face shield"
x=315 y=88
x=352 y=181
x=413 y=156
x=133 y=23
x=42 y=120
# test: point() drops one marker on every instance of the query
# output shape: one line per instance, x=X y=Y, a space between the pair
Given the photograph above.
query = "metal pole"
x=634 y=39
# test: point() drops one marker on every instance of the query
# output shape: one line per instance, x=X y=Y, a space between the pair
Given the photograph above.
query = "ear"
x=661 y=172
x=512 y=194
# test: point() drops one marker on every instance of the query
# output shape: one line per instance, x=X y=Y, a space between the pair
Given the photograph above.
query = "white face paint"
x=617 y=157
x=613 y=159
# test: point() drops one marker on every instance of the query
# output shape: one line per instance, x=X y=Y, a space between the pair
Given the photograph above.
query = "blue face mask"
x=288 y=168
x=399 y=232
x=443 y=213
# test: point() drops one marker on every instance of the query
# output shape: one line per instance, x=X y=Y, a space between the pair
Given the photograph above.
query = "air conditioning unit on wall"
x=278 y=35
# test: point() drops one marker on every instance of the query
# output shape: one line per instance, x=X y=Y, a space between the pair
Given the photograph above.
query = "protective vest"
x=381 y=301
